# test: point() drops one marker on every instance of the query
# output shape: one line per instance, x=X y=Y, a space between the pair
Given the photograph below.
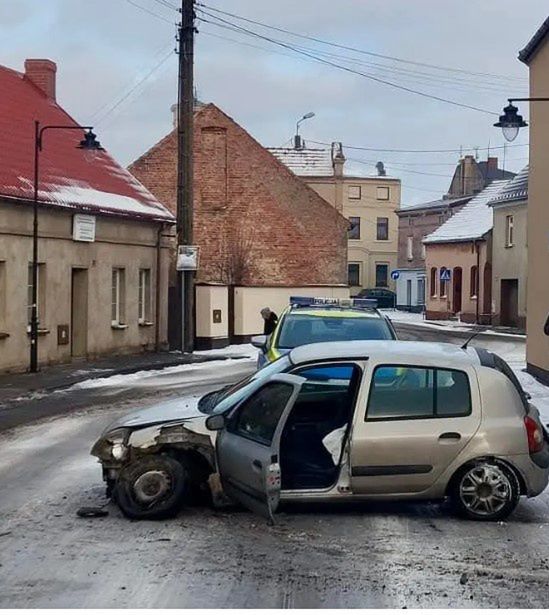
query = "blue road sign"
x=445 y=274
x=395 y=274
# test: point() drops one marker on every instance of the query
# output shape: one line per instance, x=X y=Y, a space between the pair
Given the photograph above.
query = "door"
x=79 y=313
x=457 y=290
x=416 y=420
x=421 y=291
x=409 y=293
x=248 y=446
x=509 y=303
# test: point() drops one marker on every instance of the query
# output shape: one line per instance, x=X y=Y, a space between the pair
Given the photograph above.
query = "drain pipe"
x=478 y=279
x=158 y=285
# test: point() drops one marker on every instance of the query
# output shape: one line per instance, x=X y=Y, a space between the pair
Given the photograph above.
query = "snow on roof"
x=515 y=190
x=306 y=161
x=439 y=203
x=472 y=222
x=67 y=177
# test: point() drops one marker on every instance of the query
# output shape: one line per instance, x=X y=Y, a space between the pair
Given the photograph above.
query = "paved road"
x=413 y=555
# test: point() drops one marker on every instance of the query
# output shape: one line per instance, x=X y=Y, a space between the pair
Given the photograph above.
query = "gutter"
x=158 y=285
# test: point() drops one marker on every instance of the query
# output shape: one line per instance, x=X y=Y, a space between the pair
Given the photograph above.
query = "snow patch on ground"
x=234 y=350
x=134 y=379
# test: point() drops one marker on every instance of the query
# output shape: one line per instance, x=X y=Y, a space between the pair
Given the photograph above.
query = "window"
x=421 y=291
x=382 y=193
x=354 y=228
x=509 y=231
x=410 y=248
x=401 y=392
x=353 y=273
x=382 y=229
x=382 y=274
x=259 y=415
x=354 y=192
x=40 y=295
x=144 y=298
x=118 y=306
x=441 y=219
x=433 y=282
x=443 y=288
x=474 y=281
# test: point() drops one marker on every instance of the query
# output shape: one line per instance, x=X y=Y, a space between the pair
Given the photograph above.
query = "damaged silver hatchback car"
x=338 y=421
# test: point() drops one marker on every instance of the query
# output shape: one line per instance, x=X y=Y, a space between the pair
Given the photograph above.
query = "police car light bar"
x=333 y=302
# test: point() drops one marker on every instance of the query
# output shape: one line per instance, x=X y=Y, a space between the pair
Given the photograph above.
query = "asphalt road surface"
x=390 y=555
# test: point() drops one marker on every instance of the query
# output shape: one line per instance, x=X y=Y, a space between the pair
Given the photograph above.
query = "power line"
x=362 y=51
x=346 y=68
x=406 y=74
x=421 y=151
x=132 y=90
x=146 y=10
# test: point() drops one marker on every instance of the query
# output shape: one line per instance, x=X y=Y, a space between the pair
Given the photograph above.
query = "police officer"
x=270 y=320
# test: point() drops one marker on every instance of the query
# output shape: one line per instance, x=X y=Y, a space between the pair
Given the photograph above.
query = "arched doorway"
x=456 y=294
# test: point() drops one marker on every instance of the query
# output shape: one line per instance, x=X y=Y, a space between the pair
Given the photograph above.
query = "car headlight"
x=112 y=445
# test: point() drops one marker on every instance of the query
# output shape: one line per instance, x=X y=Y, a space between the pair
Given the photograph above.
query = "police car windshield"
x=299 y=329
x=226 y=398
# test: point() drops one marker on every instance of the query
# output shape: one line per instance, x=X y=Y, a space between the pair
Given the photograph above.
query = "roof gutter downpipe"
x=478 y=280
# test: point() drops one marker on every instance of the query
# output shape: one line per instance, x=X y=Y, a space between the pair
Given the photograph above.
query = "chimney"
x=381 y=169
x=42 y=74
x=338 y=159
x=492 y=163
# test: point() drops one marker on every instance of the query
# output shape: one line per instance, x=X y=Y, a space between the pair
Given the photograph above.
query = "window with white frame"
x=509 y=231
x=40 y=292
x=118 y=306
x=409 y=248
x=383 y=193
x=144 y=298
x=354 y=192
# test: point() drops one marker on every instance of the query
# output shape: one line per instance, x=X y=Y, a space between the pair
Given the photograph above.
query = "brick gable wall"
x=251 y=214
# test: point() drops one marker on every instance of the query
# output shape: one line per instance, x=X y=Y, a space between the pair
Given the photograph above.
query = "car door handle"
x=257 y=464
x=450 y=435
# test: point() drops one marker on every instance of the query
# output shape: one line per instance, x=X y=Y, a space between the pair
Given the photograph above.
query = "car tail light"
x=534 y=433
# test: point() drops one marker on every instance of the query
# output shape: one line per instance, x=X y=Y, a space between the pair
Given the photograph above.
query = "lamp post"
x=88 y=143
x=298 y=144
x=511 y=122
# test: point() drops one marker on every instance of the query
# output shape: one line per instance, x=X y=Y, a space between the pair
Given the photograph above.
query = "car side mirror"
x=259 y=341
x=216 y=422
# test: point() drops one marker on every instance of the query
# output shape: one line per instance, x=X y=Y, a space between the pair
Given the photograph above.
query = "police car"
x=317 y=319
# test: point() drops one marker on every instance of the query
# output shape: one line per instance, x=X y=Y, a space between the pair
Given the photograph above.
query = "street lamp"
x=89 y=144
x=298 y=144
x=511 y=122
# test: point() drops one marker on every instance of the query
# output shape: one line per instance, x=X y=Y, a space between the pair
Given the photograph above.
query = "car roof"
x=336 y=312
x=389 y=351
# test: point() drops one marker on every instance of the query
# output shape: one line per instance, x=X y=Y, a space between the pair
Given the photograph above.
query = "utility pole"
x=185 y=122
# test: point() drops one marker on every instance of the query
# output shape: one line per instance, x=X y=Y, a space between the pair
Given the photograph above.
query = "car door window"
x=401 y=392
x=259 y=415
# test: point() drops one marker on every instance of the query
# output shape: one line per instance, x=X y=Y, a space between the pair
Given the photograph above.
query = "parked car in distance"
x=308 y=320
x=385 y=298
x=339 y=422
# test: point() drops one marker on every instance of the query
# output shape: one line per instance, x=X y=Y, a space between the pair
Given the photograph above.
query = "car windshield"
x=300 y=329
x=226 y=398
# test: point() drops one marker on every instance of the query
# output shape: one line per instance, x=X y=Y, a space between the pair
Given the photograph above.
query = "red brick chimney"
x=42 y=74
x=492 y=163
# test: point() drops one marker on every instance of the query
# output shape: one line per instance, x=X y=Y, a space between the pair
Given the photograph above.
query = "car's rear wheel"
x=153 y=487
x=485 y=491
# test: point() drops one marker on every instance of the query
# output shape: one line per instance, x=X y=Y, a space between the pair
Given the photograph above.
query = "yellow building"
x=536 y=56
x=369 y=202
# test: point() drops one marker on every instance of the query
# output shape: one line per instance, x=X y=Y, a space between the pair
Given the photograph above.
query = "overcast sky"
x=105 y=48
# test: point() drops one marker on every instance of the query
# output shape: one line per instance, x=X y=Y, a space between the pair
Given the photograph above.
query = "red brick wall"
x=245 y=201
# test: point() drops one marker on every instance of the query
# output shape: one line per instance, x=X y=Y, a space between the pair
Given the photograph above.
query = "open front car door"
x=248 y=445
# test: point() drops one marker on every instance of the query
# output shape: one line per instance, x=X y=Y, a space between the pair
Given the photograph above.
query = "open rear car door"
x=248 y=444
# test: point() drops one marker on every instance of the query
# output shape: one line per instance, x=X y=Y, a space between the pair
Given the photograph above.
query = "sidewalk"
x=57 y=377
